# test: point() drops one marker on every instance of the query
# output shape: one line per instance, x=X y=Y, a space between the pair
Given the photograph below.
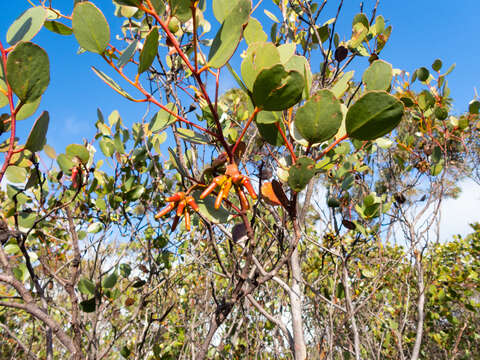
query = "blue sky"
x=422 y=32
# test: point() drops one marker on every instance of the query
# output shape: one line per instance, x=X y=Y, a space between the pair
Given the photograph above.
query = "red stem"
x=287 y=143
x=331 y=146
x=195 y=73
x=255 y=112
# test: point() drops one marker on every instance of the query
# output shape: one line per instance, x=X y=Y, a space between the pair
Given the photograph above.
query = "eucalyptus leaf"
x=374 y=114
x=90 y=27
x=27 y=25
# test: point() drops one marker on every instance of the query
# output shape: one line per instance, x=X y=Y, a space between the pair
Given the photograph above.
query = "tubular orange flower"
x=165 y=210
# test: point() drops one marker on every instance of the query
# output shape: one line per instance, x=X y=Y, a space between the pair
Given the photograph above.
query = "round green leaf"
x=268 y=117
x=28 y=109
x=149 y=50
x=301 y=173
x=38 y=135
x=28 y=71
x=277 y=89
x=437 y=65
x=270 y=133
x=181 y=9
x=378 y=76
x=320 y=117
x=254 y=32
x=86 y=287
x=110 y=281
x=65 y=162
x=16 y=174
x=474 y=107
x=88 y=306
x=229 y=35
x=300 y=64
x=373 y=115
x=58 y=28
x=90 y=27
x=422 y=73
x=258 y=57
x=135 y=192
x=107 y=146
x=79 y=151
x=27 y=25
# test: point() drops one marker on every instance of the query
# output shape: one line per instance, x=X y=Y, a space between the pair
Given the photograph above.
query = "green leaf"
x=94 y=228
x=125 y=351
x=378 y=76
x=270 y=133
x=28 y=109
x=254 y=32
x=16 y=174
x=301 y=173
x=110 y=281
x=88 y=306
x=27 y=25
x=319 y=118
x=86 y=287
x=149 y=50
x=90 y=27
x=425 y=100
x=286 y=51
x=229 y=35
x=300 y=64
x=135 y=193
x=125 y=270
x=127 y=54
x=277 y=89
x=28 y=71
x=474 y=107
x=79 y=151
x=50 y=151
x=268 y=117
x=221 y=8
x=437 y=65
x=422 y=74
x=163 y=119
x=359 y=34
x=65 y=162
x=12 y=249
x=38 y=135
x=129 y=2
x=271 y=16
x=26 y=219
x=109 y=81
x=107 y=146
x=58 y=28
x=181 y=9
x=373 y=115
x=258 y=57
x=342 y=85
x=192 y=136
x=207 y=209
x=362 y=19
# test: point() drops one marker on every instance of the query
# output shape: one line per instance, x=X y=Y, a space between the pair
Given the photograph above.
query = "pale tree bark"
x=351 y=310
x=420 y=307
x=296 y=304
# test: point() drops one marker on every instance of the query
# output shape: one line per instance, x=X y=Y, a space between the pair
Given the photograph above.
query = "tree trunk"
x=300 y=349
